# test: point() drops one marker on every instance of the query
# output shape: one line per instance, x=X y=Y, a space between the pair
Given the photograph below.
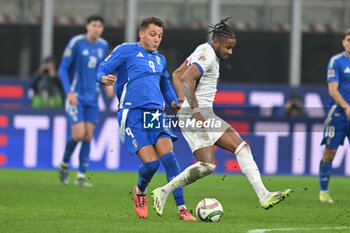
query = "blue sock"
x=324 y=175
x=172 y=169
x=70 y=146
x=146 y=172
x=84 y=157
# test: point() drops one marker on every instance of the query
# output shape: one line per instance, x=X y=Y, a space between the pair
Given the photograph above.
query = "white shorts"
x=200 y=137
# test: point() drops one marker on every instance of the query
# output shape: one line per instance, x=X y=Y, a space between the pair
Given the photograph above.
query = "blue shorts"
x=135 y=134
x=336 y=128
x=84 y=112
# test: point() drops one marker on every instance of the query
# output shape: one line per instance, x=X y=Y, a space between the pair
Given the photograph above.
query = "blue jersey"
x=339 y=71
x=79 y=66
x=142 y=77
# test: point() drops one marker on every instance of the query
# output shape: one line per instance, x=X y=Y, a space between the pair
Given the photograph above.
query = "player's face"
x=346 y=44
x=151 y=37
x=94 y=29
x=224 y=49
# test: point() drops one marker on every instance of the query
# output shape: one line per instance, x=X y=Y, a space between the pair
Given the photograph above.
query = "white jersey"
x=208 y=63
x=205 y=58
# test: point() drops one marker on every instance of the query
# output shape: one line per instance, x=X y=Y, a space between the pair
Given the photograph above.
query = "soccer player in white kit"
x=196 y=80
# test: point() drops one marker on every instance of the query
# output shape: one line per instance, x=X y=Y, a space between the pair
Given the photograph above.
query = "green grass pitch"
x=35 y=201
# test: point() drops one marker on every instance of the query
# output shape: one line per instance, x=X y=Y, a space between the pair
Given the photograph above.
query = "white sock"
x=81 y=175
x=250 y=170
x=188 y=176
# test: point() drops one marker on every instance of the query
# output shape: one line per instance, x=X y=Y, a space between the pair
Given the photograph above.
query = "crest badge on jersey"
x=100 y=53
x=202 y=58
x=158 y=60
x=331 y=73
x=68 y=52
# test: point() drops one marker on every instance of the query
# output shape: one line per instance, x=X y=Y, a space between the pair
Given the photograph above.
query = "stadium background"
x=255 y=81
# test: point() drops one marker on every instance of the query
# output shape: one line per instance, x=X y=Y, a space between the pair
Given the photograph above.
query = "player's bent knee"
x=78 y=137
x=87 y=137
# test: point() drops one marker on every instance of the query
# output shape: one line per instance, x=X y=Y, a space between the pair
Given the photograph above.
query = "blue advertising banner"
x=35 y=139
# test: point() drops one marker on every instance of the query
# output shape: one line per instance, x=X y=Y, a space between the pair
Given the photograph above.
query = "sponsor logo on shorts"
x=134 y=142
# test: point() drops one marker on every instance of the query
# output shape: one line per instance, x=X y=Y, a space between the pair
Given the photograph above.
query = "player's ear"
x=87 y=26
x=215 y=42
x=141 y=32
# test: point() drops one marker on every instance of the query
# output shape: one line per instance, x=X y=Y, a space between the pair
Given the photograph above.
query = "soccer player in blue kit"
x=77 y=71
x=337 y=123
x=143 y=84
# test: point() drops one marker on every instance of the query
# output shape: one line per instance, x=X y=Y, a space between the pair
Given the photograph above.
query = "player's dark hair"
x=151 y=20
x=94 y=18
x=222 y=30
x=346 y=33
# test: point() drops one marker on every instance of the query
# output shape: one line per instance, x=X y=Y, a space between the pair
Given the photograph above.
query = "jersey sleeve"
x=106 y=49
x=203 y=58
x=333 y=70
x=66 y=62
x=166 y=88
x=188 y=60
x=112 y=62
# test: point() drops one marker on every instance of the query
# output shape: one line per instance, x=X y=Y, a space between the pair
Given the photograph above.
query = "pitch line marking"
x=296 y=229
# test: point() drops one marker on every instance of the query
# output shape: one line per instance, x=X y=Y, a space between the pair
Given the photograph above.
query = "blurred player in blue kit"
x=143 y=85
x=78 y=71
x=337 y=123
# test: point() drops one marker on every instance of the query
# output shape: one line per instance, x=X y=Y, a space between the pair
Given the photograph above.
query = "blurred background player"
x=78 y=71
x=47 y=88
x=199 y=75
x=143 y=84
x=337 y=124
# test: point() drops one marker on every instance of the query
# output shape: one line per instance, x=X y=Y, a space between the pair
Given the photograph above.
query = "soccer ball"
x=209 y=210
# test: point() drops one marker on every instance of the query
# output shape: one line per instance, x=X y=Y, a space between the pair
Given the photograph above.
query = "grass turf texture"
x=35 y=201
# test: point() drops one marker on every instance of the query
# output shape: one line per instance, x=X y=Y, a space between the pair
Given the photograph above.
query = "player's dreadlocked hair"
x=222 y=29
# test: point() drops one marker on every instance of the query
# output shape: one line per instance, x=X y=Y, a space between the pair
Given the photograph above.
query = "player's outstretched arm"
x=177 y=74
x=109 y=91
x=188 y=79
x=110 y=65
x=169 y=94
